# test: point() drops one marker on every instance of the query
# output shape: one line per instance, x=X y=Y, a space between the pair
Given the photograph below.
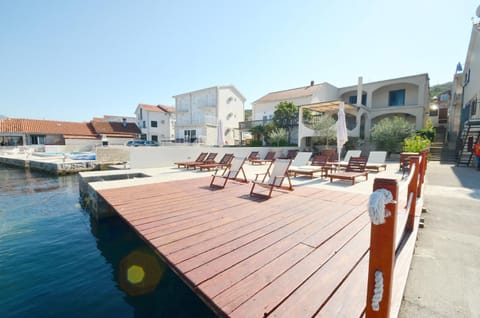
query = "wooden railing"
x=388 y=239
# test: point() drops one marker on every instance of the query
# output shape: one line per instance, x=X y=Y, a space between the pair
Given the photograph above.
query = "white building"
x=264 y=107
x=406 y=96
x=202 y=113
x=471 y=76
x=157 y=123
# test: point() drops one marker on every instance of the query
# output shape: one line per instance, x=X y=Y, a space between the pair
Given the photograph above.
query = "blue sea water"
x=56 y=261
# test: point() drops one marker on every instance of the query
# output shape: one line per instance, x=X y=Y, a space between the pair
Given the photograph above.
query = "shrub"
x=415 y=144
x=278 y=137
x=426 y=133
x=389 y=133
x=325 y=130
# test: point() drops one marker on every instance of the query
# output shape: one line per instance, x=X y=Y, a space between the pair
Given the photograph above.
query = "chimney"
x=124 y=122
x=312 y=83
x=360 y=90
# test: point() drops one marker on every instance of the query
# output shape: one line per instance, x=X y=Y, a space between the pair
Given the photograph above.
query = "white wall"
x=231 y=111
x=154 y=157
x=472 y=66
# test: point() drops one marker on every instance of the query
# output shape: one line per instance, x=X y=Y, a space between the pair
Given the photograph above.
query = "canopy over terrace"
x=317 y=110
x=330 y=107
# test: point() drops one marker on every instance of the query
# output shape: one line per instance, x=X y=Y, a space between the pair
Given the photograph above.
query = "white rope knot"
x=376 y=205
x=377 y=291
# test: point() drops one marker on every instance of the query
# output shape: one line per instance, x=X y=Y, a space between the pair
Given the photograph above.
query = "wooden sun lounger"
x=269 y=157
x=277 y=173
x=319 y=164
x=210 y=159
x=223 y=163
x=199 y=159
x=355 y=168
x=376 y=160
x=230 y=173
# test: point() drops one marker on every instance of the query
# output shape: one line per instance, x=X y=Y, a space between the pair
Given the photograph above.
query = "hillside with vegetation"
x=439 y=88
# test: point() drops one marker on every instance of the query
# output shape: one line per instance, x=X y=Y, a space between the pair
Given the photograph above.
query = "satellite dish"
x=478 y=12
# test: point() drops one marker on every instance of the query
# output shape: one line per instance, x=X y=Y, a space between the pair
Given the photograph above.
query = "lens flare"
x=140 y=272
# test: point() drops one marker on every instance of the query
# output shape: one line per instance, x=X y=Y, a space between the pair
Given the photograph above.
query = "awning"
x=330 y=106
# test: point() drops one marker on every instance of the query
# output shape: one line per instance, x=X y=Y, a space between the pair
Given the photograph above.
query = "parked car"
x=151 y=143
x=136 y=143
x=142 y=143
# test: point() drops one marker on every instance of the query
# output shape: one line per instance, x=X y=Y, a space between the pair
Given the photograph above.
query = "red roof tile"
x=115 y=128
x=288 y=94
x=19 y=125
x=157 y=108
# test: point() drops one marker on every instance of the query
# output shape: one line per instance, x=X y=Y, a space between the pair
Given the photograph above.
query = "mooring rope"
x=376 y=205
x=377 y=291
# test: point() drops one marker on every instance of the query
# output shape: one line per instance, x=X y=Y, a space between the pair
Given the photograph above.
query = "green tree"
x=324 y=129
x=286 y=116
x=257 y=133
x=307 y=115
x=278 y=137
x=416 y=144
x=389 y=133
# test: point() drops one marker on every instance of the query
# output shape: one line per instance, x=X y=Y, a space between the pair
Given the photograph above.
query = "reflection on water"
x=56 y=261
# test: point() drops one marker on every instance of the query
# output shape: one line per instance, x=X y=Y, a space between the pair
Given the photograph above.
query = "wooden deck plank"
x=266 y=300
x=316 y=239
x=238 y=293
x=214 y=239
x=350 y=299
x=161 y=238
x=227 y=278
x=205 y=271
x=299 y=253
x=312 y=295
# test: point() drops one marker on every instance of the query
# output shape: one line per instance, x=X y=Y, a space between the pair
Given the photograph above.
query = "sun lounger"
x=277 y=172
x=253 y=155
x=230 y=173
x=331 y=155
x=223 y=163
x=376 y=160
x=319 y=164
x=291 y=154
x=301 y=159
x=355 y=168
x=199 y=159
x=269 y=157
x=348 y=155
x=210 y=159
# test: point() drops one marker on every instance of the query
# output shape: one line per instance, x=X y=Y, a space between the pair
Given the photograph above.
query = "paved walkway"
x=445 y=273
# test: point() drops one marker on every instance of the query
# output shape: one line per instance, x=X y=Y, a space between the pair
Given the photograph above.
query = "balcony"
x=245 y=125
x=206 y=120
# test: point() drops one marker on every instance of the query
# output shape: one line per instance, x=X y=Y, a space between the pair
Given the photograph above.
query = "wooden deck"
x=300 y=254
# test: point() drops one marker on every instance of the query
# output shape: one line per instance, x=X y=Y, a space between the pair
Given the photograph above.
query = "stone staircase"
x=440 y=149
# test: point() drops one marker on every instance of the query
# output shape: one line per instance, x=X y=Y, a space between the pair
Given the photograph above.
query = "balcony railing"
x=253 y=123
x=207 y=120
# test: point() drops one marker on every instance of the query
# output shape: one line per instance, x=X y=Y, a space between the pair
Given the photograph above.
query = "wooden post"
x=413 y=187
x=423 y=169
x=382 y=252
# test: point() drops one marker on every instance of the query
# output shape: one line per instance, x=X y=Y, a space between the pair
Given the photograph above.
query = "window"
x=190 y=135
x=155 y=138
x=396 y=98
x=144 y=124
x=153 y=123
x=444 y=97
x=37 y=139
x=141 y=114
x=353 y=99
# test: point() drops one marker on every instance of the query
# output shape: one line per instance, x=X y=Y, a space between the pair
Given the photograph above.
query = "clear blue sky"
x=75 y=59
